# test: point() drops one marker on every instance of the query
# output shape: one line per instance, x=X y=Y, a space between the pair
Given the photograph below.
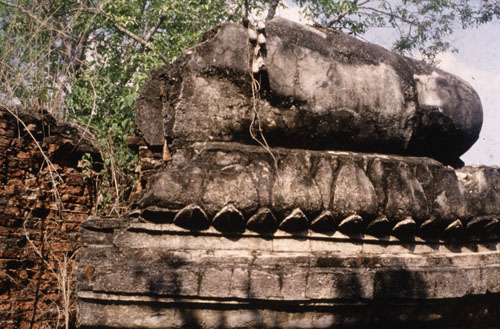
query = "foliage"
x=86 y=60
x=422 y=25
x=132 y=38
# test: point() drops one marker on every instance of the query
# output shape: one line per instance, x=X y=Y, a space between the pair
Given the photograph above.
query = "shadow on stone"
x=192 y=217
x=379 y=227
x=263 y=221
x=229 y=220
x=399 y=284
x=324 y=223
x=295 y=223
x=352 y=225
x=158 y=215
x=166 y=282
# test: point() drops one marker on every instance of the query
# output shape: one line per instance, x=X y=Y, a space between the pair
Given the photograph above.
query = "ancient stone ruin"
x=295 y=177
x=44 y=197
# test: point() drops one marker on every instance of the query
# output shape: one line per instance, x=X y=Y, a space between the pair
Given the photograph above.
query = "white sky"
x=477 y=62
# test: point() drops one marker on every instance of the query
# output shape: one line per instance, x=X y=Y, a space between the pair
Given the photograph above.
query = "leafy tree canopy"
x=87 y=59
x=422 y=25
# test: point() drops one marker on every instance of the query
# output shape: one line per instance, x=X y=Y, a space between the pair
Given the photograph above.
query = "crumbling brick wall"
x=42 y=204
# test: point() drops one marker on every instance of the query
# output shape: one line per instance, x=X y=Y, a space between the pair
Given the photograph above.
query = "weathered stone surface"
x=215 y=175
x=149 y=105
x=405 y=195
x=322 y=90
x=149 y=313
x=353 y=192
x=307 y=286
x=482 y=185
x=482 y=224
x=454 y=228
x=231 y=235
x=296 y=173
x=450 y=196
x=432 y=227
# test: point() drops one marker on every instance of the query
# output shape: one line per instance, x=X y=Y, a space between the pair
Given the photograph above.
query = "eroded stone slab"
x=215 y=176
x=322 y=89
x=161 y=276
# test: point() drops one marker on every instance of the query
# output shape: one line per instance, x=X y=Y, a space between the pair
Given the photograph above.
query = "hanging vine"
x=256 y=43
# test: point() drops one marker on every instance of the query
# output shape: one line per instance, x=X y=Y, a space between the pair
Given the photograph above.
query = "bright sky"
x=477 y=62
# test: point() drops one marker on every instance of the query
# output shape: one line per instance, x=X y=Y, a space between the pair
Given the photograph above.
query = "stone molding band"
x=234 y=187
x=159 y=276
x=230 y=220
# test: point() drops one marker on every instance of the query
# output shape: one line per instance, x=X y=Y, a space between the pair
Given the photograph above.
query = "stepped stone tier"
x=310 y=232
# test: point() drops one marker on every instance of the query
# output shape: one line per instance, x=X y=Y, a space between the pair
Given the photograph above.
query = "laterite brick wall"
x=41 y=207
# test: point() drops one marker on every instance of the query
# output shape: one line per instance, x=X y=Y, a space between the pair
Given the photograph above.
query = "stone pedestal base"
x=133 y=274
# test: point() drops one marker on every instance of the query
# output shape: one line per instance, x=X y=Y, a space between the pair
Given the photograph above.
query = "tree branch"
x=35 y=17
x=245 y=14
x=340 y=17
x=130 y=34
x=345 y=13
x=272 y=9
x=235 y=11
x=153 y=30
x=393 y=15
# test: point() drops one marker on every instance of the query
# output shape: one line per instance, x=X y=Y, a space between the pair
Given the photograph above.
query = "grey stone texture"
x=321 y=89
x=310 y=232
x=231 y=183
x=150 y=275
